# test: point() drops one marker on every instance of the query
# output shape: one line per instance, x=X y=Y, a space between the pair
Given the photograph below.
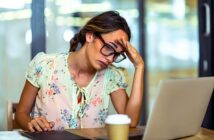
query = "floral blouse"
x=59 y=98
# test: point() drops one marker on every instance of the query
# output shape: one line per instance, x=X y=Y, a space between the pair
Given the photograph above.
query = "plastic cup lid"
x=118 y=119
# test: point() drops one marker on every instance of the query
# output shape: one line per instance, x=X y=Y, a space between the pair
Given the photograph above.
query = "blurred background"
x=170 y=39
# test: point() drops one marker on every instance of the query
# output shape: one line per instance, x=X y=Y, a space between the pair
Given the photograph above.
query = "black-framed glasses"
x=108 y=50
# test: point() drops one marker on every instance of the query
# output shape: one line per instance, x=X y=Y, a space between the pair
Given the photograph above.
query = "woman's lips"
x=103 y=64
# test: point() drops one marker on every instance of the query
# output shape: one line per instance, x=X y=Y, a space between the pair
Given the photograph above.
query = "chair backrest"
x=11 y=109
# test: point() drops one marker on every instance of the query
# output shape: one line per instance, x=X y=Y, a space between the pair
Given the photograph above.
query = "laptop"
x=179 y=108
x=52 y=135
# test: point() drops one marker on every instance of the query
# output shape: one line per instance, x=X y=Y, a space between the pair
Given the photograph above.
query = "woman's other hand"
x=40 y=124
x=132 y=54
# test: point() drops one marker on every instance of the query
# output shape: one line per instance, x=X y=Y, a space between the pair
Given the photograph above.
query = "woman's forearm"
x=22 y=119
x=134 y=105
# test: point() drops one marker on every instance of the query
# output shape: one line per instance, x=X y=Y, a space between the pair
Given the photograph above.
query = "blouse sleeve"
x=36 y=69
x=116 y=79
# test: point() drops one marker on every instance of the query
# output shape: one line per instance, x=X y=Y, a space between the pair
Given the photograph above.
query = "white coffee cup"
x=118 y=126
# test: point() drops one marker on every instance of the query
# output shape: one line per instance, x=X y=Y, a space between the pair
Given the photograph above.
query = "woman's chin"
x=100 y=68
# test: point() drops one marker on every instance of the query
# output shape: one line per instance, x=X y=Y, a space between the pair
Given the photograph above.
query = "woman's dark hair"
x=103 y=23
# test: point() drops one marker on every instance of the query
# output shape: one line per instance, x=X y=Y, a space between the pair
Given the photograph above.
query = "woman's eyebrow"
x=116 y=43
x=113 y=44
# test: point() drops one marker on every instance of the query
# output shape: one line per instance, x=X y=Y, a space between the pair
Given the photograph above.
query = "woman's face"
x=105 y=50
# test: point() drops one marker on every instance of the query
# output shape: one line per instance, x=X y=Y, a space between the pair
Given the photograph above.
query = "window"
x=15 y=39
x=172 y=41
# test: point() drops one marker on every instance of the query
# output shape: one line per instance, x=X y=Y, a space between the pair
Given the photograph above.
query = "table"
x=204 y=134
x=91 y=133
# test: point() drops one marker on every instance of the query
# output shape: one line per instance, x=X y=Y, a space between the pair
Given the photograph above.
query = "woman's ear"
x=89 y=37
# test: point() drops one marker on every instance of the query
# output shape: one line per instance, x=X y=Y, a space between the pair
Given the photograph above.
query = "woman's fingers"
x=30 y=127
x=133 y=54
x=36 y=126
x=46 y=124
x=122 y=44
x=51 y=124
x=40 y=124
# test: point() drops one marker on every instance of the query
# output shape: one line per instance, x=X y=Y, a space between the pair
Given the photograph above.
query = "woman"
x=72 y=90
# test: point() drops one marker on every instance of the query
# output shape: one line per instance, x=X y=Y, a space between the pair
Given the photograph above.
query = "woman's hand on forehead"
x=122 y=43
x=131 y=52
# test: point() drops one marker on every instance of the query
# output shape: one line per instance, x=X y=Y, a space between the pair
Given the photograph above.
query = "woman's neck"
x=79 y=64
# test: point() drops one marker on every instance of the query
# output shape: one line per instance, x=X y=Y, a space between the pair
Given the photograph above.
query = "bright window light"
x=68 y=34
x=12 y=4
x=28 y=37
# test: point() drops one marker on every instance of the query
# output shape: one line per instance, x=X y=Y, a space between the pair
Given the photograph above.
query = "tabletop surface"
x=93 y=133
x=102 y=132
x=204 y=134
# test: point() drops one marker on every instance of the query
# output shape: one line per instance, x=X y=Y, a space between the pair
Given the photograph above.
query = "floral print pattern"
x=58 y=94
x=102 y=114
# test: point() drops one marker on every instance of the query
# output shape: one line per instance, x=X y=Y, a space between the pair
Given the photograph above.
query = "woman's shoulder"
x=113 y=68
x=114 y=71
x=116 y=77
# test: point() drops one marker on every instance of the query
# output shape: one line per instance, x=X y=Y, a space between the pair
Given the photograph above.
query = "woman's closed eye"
x=108 y=50
x=113 y=45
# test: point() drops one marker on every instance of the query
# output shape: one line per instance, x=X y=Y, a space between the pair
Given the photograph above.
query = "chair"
x=11 y=109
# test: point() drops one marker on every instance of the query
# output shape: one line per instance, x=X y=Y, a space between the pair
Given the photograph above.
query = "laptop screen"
x=179 y=108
